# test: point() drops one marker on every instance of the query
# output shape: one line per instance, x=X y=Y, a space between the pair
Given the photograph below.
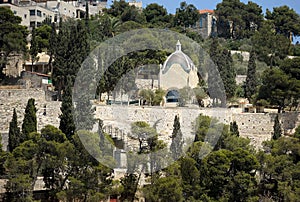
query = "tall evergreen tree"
x=66 y=124
x=177 y=141
x=223 y=60
x=277 y=131
x=234 y=129
x=30 y=122
x=52 y=46
x=251 y=81
x=14 y=133
x=33 y=47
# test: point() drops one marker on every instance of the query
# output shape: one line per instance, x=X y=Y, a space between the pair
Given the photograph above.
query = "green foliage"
x=125 y=12
x=223 y=60
x=278 y=88
x=164 y=189
x=14 y=133
x=156 y=15
x=277 y=131
x=251 y=81
x=129 y=186
x=285 y=20
x=186 y=16
x=177 y=140
x=68 y=60
x=158 y=96
x=238 y=20
x=42 y=37
x=265 y=48
x=234 y=129
x=66 y=124
x=12 y=37
x=279 y=169
x=33 y=48
x=30 y=122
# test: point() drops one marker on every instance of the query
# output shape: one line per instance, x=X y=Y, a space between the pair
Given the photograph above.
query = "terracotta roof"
x=206 y=11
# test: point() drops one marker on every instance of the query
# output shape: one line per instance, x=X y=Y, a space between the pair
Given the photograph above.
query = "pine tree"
x=177 y=141
x=30 y=122
x=234 y=129
x=66 y=124
x=251 y=82
x=277 y=131
x=14 y=133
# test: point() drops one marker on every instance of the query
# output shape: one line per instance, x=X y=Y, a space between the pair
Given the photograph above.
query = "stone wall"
x=17 y=98
x=256 y=126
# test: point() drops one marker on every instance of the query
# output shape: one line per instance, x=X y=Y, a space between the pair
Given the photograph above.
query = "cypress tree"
x=223 y=60
x=251 y=82
x=234 y=129
x=177 y=141
x=66 y=124
x=30 y=122
x=33 y=47
x=14 y=133
x=277 y=131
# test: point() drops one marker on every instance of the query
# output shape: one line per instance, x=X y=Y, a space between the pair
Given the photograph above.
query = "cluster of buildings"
x=34 y=12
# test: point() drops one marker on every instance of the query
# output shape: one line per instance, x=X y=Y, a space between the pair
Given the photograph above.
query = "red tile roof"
x=206 y=11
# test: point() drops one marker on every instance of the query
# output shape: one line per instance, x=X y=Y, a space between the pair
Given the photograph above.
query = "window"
x=15 y=12
x=32 y=12
x=39 y=13
x=201 y=22
x=38 y=24
x=32 y=24
x=25 y=16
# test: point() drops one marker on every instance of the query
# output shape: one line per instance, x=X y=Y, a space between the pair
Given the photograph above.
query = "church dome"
x=178 y=58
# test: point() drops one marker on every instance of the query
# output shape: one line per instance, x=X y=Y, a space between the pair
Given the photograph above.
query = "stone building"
x=178 y=71
x=206 y=25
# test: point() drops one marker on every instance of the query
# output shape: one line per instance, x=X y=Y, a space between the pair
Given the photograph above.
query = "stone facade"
x=206 y=25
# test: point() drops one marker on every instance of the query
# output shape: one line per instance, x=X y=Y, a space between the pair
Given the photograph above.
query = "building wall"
x=205 y=24
x=176 y=77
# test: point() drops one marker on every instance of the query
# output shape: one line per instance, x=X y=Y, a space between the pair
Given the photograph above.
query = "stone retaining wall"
x=256 y=126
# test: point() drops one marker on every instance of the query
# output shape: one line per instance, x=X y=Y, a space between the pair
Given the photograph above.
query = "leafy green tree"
x=190 y=176
x=251 y=80
x=157 y=15
x=264 y=46
x=66 y=124
x=238 y=20
x=286 y=21
x=129 y=184
x=177 y=140
x=12 y=37
x=164 y=189
x=277 y=131
x=43 y=34
x=14 y=133
x=186 y=15
x=277 y=88
x=279 y=167
x=30 y=122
